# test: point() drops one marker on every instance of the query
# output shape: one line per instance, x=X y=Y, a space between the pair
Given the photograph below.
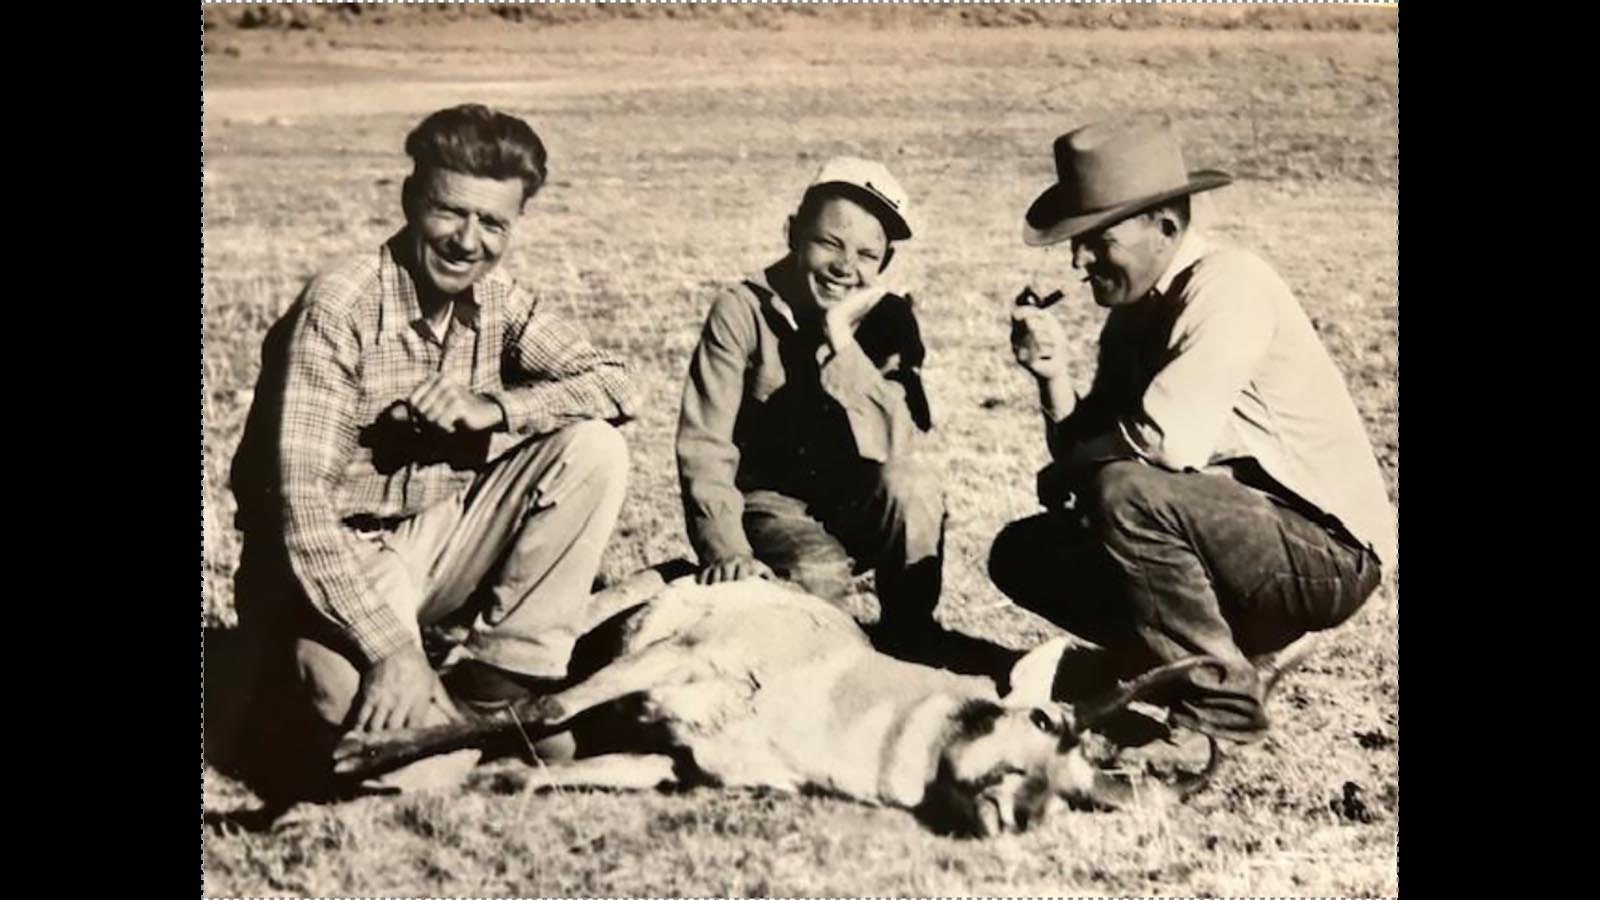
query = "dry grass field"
x=677 y=148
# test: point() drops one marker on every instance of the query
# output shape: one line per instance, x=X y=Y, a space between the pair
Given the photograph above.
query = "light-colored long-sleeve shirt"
x=1221 y=364
x=358 y=345
x=766 y=405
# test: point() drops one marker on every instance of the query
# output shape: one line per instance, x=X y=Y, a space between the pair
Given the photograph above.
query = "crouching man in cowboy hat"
x=1214 y=492
x=804 y=407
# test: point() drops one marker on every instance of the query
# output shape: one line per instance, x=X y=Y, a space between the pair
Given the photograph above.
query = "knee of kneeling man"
x=330 y=681
x=598 y=445
x=911 y=480
x=1009 y=555
x=1116 y=488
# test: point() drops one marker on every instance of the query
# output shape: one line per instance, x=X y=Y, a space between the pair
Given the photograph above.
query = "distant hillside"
x=1266 y=17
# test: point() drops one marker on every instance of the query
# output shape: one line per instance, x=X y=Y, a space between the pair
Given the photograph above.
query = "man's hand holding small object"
x=1036 y=337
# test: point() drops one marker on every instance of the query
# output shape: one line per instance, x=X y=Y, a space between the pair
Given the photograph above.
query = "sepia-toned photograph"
x=800 y=449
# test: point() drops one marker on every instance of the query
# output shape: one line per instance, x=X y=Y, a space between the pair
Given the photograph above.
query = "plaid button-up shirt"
x=358 y=345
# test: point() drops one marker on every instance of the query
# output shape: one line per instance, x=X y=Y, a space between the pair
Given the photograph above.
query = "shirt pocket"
x=392 y=367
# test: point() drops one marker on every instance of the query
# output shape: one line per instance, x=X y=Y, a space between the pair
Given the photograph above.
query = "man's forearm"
x=1081 y=430
x=718 y=536
x=1057 y=397
x=1075 y=462
x=605 y=393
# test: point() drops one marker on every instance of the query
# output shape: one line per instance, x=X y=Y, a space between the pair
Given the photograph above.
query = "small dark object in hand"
x=1029 y=298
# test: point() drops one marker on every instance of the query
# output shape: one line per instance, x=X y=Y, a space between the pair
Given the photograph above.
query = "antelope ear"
x=1032 y=679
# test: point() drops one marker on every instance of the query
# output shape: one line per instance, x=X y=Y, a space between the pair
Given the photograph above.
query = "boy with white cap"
x=803 y=406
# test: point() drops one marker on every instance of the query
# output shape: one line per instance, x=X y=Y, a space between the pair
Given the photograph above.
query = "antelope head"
x=999 y=767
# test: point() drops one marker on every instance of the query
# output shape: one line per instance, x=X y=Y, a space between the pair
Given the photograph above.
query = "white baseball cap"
x=872 y=185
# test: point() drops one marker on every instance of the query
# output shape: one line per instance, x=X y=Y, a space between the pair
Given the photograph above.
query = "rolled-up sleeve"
x=1217 y=342
x=555 y=376
x=708 y=458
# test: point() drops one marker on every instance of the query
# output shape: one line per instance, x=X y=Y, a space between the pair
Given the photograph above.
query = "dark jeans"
x=888 y=517
x=1163 y=566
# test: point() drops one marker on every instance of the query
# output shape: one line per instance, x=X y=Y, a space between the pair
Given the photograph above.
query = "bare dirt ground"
x=677 y=150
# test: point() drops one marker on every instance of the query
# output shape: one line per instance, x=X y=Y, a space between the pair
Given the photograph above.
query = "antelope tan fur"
x=754 y=684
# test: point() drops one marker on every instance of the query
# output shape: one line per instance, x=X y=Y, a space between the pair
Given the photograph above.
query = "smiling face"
x=1122 y=263
x=838 y=251
x=461 y=225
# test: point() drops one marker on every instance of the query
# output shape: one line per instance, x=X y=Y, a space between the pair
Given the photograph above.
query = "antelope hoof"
x=549 y=709
x=349 y=754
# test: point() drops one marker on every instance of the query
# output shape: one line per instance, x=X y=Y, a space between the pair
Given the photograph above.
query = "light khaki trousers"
x=506 y=565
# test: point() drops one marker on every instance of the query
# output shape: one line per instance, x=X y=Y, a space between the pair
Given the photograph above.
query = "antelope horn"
x=1087 y=714
x=1282 y=668
x=1114 y=791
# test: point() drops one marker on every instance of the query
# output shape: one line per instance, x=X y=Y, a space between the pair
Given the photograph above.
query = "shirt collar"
x=466 y=310
x=403 y=289
x=1136 y=321
x=1191 y=247
x=777 y=278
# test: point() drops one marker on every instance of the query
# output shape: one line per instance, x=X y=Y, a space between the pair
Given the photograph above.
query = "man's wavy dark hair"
x=475 y=140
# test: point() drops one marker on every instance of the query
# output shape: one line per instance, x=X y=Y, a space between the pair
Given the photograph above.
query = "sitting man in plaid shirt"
x=429 y=451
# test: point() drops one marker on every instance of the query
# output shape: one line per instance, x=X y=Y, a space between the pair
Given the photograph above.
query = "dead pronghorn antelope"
x=754 y=684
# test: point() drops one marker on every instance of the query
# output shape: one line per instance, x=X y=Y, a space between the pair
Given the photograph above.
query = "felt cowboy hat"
x=870 y=184
x=1106 y=172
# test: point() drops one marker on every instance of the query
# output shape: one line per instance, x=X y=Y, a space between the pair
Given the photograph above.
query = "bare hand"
x=840 y=320
x=733 y=569
x=400 y=691
x=450 y=407
x=1038 y=342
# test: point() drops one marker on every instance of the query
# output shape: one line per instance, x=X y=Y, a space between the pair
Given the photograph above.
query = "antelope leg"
x=624 y=771
x=661 y=664
x=633 y=590
x=657 y=665
x=367 y=753
x=359 y=753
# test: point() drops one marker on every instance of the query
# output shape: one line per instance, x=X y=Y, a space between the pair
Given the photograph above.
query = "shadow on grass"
x=954 y=651
x=258 y=726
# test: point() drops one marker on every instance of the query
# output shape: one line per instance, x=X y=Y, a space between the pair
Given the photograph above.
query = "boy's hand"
x=733 y=569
